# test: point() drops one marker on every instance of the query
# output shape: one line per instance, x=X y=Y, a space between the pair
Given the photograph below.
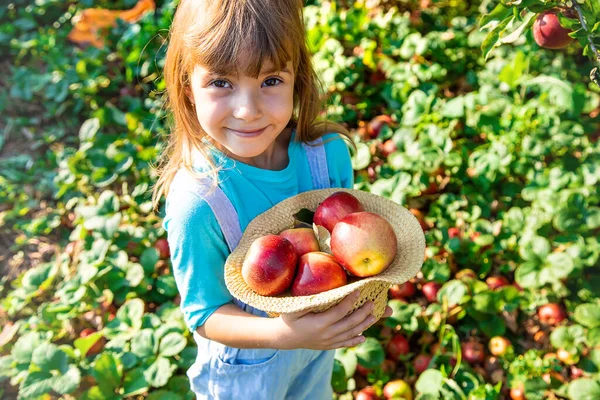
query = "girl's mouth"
x=247 y=133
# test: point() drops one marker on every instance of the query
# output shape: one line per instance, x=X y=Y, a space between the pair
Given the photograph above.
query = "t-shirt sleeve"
x=198 y=254
x=339 y=164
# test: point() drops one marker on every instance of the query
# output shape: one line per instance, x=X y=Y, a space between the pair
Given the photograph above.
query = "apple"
x=364 y=371
x=397 y=389
x=421 y=363
x=496 y=282
x=473 y=352
x=163 y=248
x=389 y=367
x=430 y=291
x=368 y=393
x=317 y=272
x=466 y=274
x=388 y=147
x=517 y=392
x=549 y=33
x=335 y=207
x=397 y=346
x=567 y=357
x=96 y=347
x=499 y=345
x=551 y=314
x=270 y=265
x=376 y=124
x=454 y=232
x=364 y=243
x=403 y=291
x=303 y=240
x=576 y=373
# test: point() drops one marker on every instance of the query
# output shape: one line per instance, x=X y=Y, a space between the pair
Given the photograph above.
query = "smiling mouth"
x=247 y=132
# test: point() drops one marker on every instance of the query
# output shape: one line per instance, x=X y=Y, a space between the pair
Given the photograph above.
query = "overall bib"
x=224 y=373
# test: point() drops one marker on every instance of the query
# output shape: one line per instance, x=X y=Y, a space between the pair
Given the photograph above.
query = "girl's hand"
x=331 y=329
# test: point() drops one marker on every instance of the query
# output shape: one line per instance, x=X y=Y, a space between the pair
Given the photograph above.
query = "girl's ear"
x=190 y=94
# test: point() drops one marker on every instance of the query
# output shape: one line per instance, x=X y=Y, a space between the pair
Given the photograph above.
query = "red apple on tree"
x=397 y=389
x=499 y=345
x=317 y=272
x=397 y=347
x=430 y=291
x=163 y=248
x=403 y=291
x=421 y=363
x=303 y=240
x=551 y=314
x=473 y=352
x=270 y=265
x=364 y=243
x=549 y=33
x=335 y=207
x=496 y=282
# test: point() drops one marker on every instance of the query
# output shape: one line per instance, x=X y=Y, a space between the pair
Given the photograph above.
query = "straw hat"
x=408 y=261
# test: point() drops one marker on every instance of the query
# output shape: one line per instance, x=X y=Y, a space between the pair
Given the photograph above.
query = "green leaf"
x=88 y=129
x=48 y=358
x=348 y=358
x=430 y=382
x=135 y=382
x=108 y=372
x=131 y=313
x=584 y=389
x=172 y=344
x=83 y=344
x=588 y=315
x=497 y=14
x=455 y=292
x=567 y=337
x=36 y=384
x=370 y=353
x=164 y=395
x=166 y=286
x=149 y=258
x=144 y=344
x=25 y=345
x=339 y=382
x=404 y=315
x=362 y=158
x=158 y=374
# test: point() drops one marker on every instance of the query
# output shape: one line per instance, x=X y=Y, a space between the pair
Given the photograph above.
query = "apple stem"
x=594 y=76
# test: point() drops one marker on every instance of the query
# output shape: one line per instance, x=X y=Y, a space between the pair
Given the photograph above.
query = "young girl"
x=244 y=100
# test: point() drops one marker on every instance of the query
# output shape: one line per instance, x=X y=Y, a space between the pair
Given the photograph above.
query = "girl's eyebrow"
x=264 y=72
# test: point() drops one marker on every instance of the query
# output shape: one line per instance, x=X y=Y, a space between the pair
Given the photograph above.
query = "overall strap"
x=225 y=213
x=317 y=161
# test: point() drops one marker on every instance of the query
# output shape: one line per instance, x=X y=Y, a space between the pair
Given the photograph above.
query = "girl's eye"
x=273 y=81
x=220 y=83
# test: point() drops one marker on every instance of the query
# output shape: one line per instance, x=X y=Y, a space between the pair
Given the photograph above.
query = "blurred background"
x=460 y=111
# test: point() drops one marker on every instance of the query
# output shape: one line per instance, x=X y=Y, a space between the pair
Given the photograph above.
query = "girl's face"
x=242 y=114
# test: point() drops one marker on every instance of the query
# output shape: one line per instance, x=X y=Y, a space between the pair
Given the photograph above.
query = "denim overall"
x=223 y=373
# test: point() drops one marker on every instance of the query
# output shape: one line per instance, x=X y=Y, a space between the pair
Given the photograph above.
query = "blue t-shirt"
x=198 y=247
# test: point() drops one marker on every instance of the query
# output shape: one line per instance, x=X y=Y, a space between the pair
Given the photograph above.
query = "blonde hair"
x=215 y=34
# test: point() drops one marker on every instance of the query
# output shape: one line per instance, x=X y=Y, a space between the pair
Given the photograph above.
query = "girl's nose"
x=247 y=107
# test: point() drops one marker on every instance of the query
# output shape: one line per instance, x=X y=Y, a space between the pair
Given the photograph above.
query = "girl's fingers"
x=388 y=312
x=352 y=320
x=340 y=310
x=354 y=331
x=355 y=341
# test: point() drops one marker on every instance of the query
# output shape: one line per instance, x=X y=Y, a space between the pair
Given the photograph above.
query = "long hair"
x=215 y=34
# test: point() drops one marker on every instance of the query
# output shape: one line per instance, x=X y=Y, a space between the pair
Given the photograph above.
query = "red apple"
x=454 y=232
x=364 y=243
x=397 y=346
x=517 y=392
x=499 y=345
x=368 y=393
x=430 y=291
x=473 y=352
x=421 y=363
x=303 y=240
x=548 y=32
x=551 y=314
x=376 y=124
x=96 y=347
x=402 y=291
x=335 y=207
x=318 y=272
x=496 y=282
x=163 y=247
x=388 y=147
x=397 y=389
x=270 y=265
